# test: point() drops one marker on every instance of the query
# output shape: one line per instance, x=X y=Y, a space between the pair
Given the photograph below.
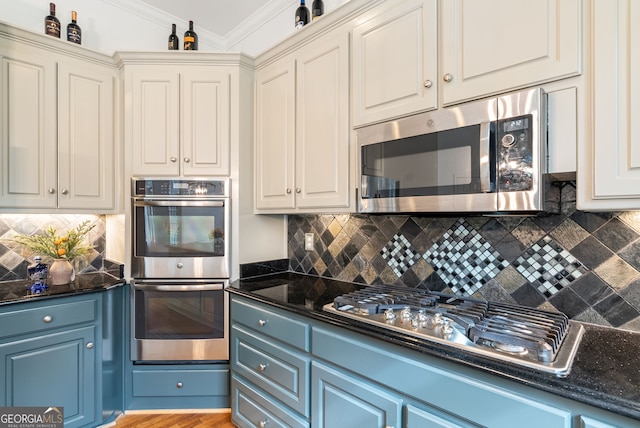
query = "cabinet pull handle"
x=264 y=423
x=448 y=77
x=47 y=319
x=179 y=385
x=262 y=323
x=428 y=84
x=173 y=159
x=262 y=367
x=187 y=160
x=51 y=190
x=64 y=191
x=90 y=345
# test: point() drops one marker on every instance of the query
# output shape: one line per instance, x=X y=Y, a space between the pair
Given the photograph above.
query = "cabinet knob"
x=428 y=83
x=298 y=190
x=448 y=77
x=173 y=159
x=288 y=191
x=179 y=385
x=262 y=367
x=180 y=265
x=64 y=191
x=263 y=423
x=261 y=323
x=187 y=160
x=47 y=319
x=51 y=190
x=90 y=345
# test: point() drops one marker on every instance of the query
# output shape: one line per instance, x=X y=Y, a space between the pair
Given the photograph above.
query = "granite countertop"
x=605 y=372
x=13 y=292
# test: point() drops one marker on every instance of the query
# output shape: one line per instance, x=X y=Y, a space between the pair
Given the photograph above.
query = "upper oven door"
x=180 y=238
x=439 y=161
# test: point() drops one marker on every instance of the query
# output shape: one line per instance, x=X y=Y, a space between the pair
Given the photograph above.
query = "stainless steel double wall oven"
x=180 y=267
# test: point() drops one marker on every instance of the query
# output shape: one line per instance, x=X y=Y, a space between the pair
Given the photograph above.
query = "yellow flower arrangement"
x=52 y=245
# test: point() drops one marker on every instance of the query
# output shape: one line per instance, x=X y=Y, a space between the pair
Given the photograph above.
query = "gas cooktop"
x=533 y=338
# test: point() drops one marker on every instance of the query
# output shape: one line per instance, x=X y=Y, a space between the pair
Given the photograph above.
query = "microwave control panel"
x=515 y=154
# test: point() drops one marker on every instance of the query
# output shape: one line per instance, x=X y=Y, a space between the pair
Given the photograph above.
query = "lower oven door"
x=179 y=320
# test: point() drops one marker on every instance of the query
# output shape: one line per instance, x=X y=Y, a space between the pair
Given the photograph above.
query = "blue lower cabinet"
x=184 y=386
x=251 y=407
x=340 y=400
x=416 y=417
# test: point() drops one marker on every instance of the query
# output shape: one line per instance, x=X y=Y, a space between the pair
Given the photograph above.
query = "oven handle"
x=174 y=203
x=177 y=287
x=485 y=170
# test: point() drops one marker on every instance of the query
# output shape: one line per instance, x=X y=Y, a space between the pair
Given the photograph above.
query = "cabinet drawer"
x=269 y=323
x=494 y=405
x=177 y=383
x=24 y=321
x=282 y=372
x=254 y=408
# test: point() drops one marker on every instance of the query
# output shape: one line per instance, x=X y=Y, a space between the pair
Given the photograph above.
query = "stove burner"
x=531 y=337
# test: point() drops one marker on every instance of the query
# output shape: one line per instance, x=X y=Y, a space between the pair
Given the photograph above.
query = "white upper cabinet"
x=302 y=128
x=178 y=119
x=609 y=164
x=57 y=131
x=495 y=46
x=395 y=61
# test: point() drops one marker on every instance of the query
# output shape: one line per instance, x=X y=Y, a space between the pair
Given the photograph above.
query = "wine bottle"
x=317 y=9
x=51 y=23
x=190 y=39
x=174 y=42
x=302 y=15
x=74 y=33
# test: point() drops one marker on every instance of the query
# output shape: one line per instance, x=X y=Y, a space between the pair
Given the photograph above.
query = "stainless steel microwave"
x=485 y=156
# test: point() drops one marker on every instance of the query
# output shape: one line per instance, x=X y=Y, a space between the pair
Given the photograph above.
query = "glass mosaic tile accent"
x=399 y=255
x=464 y=260
x=549 y=267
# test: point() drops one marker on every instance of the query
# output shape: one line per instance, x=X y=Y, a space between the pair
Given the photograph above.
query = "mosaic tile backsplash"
x=584 y=264
x=15 y=258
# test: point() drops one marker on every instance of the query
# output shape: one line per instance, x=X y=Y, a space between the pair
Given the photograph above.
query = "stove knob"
x=406 y=312
x=179 y=265
x=422 y=316
x=447 y=328
x=434 y=320
x=389 y=314
x=415 y=322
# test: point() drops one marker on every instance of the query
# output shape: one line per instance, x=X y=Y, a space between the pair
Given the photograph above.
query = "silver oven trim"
x=532 y=101
x=150 y=350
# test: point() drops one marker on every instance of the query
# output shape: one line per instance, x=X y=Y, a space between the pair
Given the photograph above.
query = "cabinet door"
x=275 y=133
x=322 y=118
x=85 y=136
x=57 y=370
x=205 y=122
x=154 y=122
x=499 y=45
x=28 y=130
x=339 y=400
x=609 y=166
x=394 y=61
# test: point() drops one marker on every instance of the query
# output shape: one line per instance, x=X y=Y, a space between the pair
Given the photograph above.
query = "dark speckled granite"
x=605 y=373
x=18 y=291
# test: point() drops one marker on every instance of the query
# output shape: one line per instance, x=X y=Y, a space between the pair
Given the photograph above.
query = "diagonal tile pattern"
x=582 y=263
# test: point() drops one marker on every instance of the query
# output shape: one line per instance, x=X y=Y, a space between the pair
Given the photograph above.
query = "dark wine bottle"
x=302 y=15
x=51 y=23
x=74 y=33
x=317 y=9
x=190 y=39
x=174 y=42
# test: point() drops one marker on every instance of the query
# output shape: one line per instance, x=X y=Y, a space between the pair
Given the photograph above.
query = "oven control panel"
x=190 y=188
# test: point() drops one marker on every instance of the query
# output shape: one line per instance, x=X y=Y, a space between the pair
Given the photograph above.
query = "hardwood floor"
x=175 y=420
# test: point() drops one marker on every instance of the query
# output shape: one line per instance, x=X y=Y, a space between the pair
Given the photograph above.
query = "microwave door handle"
x=485 y=169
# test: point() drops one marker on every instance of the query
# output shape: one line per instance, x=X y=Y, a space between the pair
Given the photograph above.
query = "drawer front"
x=254 y=408
x=25 y=321
x=178 y=383
x=279 y=370
x=270 y=323
x=492 y=406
